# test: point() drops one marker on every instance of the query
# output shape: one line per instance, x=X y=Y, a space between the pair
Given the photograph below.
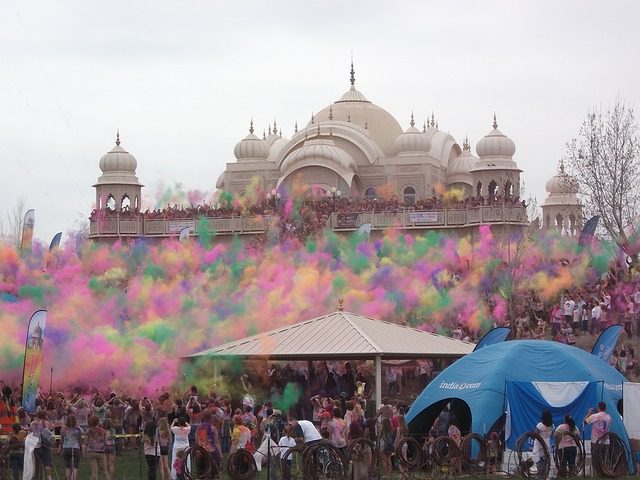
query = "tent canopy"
x=477 y=385
x=342 y=335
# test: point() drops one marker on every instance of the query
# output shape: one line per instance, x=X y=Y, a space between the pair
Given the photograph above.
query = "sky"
x=182 y=79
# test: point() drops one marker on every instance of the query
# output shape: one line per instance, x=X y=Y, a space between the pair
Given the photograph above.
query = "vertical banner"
x=33 y=358
x=588 y=231
x=603 y=348
x=55 y=241
x=495 y=335
x=27 y=230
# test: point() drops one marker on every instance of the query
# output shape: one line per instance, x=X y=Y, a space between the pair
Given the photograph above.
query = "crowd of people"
x=97 y=427
x=321 y=206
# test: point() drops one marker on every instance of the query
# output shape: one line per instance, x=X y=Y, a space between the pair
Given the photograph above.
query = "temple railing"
x=138 y=225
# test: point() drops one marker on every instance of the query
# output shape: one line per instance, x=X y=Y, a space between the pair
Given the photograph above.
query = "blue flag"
x=603 y=348
x=55 y=241
x=496 y=335
x=589 y=230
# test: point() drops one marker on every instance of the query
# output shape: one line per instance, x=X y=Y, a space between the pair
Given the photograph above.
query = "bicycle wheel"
x=292 y=466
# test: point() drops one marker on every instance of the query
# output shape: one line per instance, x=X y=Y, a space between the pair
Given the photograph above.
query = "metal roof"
x=342 y=335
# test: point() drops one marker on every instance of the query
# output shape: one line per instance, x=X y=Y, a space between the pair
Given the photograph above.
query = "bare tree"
x=11 y=232
x=605 y=159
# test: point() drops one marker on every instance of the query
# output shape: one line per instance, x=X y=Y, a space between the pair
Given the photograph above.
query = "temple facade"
x=352 y=150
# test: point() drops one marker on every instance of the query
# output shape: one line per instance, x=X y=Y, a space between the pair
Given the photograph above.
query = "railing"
x=140 y=226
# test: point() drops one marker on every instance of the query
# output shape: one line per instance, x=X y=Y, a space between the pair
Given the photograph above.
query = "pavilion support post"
x=378 y=363
x=216 y=373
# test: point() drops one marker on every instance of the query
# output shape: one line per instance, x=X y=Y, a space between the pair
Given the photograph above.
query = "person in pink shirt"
x=600 y=422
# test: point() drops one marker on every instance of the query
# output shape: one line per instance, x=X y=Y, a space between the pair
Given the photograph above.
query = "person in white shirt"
x=569 y=306
x=596 y=314
x=309 y=433
x=286 y=442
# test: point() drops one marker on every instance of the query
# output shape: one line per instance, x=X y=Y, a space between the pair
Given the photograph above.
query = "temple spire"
x=251 y=127
x=495 y=121
x=295 y=127
x=433 y=119
x=118 y=137
x=330 y=112
x=412 y=122
x=465 y=145
x=353 y=74
x=424 y=127
x=275 y=127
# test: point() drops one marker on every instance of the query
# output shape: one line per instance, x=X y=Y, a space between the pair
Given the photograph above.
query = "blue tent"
x=517 y=376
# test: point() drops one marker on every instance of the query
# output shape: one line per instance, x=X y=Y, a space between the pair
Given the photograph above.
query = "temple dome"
x=495 y=144
x=461 y=166
x=118 y=160
x=412 y=141
x=562 y=183
x=251 y=148
x=354 y=107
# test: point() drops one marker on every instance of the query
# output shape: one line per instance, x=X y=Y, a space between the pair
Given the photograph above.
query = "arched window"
x=370 y=193
x=126 y=202
x=479 y=189
x=559 y=222
x=409 y=195
x=493 y=189
x=572 y=224
x=508 y=189
x=111 y=203
x=547 y=221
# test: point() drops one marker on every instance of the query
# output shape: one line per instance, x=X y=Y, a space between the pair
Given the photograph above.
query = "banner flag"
x=55 y=241
x=33 y=359
x=589 y=230
x=495 y=335
x=27 y=230
x=184 y=234
x=603 y=348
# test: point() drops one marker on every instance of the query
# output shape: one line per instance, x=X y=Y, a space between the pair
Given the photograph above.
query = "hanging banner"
x=27 y=230
x=604 y=346
x=55 y=241
x=33 y=358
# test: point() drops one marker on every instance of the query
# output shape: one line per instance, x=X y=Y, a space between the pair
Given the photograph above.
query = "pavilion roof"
x=342 y=335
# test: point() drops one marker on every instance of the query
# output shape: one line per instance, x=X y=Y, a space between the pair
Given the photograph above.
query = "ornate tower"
x=562 y=209
x=118 y=187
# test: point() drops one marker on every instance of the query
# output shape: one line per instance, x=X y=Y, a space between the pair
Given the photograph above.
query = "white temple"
x=355 y=149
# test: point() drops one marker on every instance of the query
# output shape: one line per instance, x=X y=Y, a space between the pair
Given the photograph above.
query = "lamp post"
x=334 y=193
x=275 y=197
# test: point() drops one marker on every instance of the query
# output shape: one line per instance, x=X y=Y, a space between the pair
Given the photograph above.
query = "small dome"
x=118 y=159
x=562 y=183
x=412 y=141
x=251 y=148
x=462 y=164
x=495 y=144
